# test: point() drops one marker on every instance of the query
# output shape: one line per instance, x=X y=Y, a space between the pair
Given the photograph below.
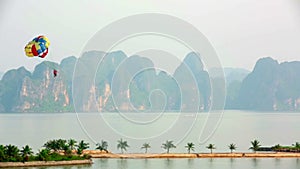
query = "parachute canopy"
x=37 y=47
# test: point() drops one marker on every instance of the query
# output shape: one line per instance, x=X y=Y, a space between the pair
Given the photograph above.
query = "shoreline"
x=98 y=154
x=45 y=163
x=197 y=155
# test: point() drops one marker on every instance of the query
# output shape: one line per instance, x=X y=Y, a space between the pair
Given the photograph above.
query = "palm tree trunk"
x=26 y=158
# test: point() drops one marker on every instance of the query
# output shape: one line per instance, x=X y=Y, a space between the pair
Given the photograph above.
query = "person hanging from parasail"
x=55 y=72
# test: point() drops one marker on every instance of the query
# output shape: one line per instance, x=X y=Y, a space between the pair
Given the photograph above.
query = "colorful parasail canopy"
x=37 y=47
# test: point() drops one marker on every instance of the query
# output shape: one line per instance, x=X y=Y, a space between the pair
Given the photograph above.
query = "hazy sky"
x=241 y=31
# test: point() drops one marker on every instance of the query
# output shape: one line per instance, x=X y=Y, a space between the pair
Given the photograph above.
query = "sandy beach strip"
x=199 y=155
x=43 y=163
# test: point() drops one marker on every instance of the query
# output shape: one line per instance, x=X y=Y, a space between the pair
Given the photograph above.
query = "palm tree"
x=168 y=145
x=67 y=149
x=190 y=146
x=297 y=146
x=82 y=146
x=12 y=152
x=255 y=145
x=277 y=147
x=49 y=145
x=232 y=147
x=52 y=145
x=72 y=143
x=211 y=147
x=57 y=145
x=43 y=154
x=61 y=144
x=146 y=146
x=2 y=153
x=102 y=146
x=25 y=152
x=122 y=145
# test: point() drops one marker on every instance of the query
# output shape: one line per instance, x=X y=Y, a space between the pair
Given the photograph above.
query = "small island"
x=54 y=153
x=60 y=152
x=276 y=151
x=198 y=155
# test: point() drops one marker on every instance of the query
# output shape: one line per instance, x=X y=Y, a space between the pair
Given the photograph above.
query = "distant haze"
x=241 y=31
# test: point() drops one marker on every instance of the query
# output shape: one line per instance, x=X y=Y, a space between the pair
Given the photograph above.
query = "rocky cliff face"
x=10 y=87
x=271 y=86
x=42 y=92
x=194 y=82
x=104 y=82
x=114 y=82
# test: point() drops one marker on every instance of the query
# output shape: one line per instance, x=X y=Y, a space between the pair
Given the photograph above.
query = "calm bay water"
x=221 y=163
x=237 y=127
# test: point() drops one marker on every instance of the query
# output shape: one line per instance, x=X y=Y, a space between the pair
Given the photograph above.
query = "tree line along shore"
x=72 y=152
